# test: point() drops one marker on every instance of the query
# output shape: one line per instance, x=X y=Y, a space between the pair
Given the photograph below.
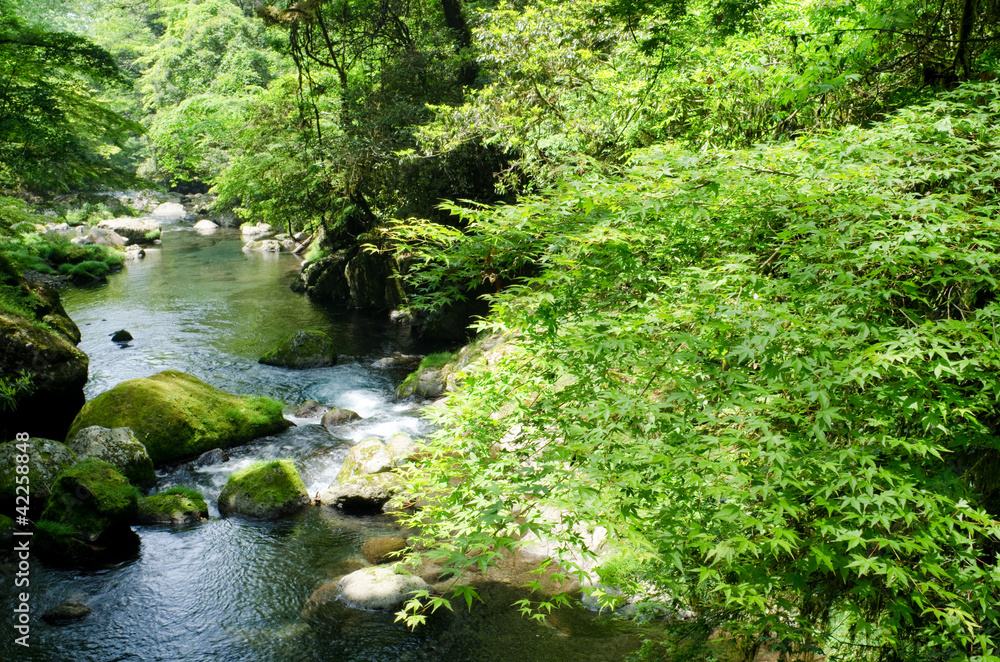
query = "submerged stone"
x=68 y=612
x=303 y=349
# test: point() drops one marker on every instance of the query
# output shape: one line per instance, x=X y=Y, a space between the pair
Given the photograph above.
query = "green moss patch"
x=177 y=505
x=264 y=490
x=46 y=459
x=88 y=513
x=177 y=416
x=303 y=349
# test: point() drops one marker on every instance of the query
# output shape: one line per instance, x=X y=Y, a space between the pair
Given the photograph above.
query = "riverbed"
x=232 y=589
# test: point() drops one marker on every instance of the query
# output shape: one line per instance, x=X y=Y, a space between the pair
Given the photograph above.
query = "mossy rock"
x=177 y=505
x=46 y=460
x=266 y=490
x=303 y=349
x=38 y=338
x=88 y=512
x=120 y=447
x=367 y=457
x=177 y=416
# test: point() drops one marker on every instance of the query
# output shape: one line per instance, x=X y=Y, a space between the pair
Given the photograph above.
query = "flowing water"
x=231 y=589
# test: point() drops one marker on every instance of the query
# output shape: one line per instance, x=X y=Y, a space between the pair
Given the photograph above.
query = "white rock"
x=379 y=587
x=205 y=226
x=170 y=210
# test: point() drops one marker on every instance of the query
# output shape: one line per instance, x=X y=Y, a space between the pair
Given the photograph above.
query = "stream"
x=233 y=589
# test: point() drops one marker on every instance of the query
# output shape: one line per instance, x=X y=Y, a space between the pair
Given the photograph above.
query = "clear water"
x=230 y=589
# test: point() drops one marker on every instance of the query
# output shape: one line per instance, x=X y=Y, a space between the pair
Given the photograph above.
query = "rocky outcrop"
x=46 y=460
x=177 y=416
x=267 y=490
x=87 y=515
x=135 y=230
x=303 y=349
x=354 y=276
x=432 y=379
x=39 y=339
x=120 y=448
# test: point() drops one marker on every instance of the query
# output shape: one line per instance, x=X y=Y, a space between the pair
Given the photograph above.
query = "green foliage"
x=55 y=132
x=765 y=370
x=13 y=388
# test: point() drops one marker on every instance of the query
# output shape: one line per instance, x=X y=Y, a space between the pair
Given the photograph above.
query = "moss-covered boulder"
x=177 y=416
x=177 y=505
x=119 y=447
x=367 y=457
x=46 y=460
x=266 y=490
x=303 y=349
x=38 y=339
x=88 y=513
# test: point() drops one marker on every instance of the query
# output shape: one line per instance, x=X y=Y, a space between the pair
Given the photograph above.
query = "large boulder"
x=177 y=416
x=374 y=282
x=302 y=349
x=135 y=230
x=266 y=490
x=326 y=279
x=38 y=339
x=119 y=447
x=46 y=460
x=177 y=505
x=88 y=513
x=363 y=279
x=380 y=587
